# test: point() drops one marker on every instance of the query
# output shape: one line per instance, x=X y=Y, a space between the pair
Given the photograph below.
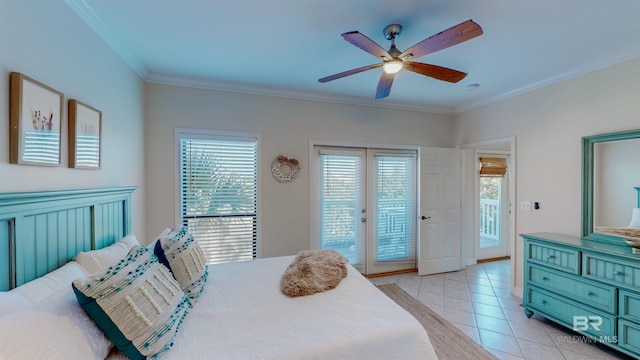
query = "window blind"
x=340 y=199
x=218 y=186
x=396 y=190
x=493 y=167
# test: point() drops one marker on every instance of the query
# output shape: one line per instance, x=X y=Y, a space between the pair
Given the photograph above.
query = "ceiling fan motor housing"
x=392 y=31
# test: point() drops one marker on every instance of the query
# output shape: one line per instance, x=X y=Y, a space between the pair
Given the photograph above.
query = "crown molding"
x=86 y=13
x=620 y=58
x=290 y=94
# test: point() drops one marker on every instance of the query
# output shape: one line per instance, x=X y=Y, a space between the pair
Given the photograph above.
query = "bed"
x=239 y=314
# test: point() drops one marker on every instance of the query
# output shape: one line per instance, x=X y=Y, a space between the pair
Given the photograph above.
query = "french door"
x=364 y=205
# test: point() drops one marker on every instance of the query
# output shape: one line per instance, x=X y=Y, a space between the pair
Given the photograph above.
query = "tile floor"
x=477 y=300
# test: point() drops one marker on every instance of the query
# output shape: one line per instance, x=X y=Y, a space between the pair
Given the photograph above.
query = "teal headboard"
x=41 y=231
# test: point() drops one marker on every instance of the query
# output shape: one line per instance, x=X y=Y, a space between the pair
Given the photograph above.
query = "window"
x=218 y=193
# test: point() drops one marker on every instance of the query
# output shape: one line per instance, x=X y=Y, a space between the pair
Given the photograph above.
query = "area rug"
x=449 y=342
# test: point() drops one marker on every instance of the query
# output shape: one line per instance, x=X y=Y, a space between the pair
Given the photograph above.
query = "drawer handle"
x=543 y=302
x=618 y=273
x=589 y=293
x=551 y=256
x=544 y=278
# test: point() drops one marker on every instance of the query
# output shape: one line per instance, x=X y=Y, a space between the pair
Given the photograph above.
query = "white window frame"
x=221 y=135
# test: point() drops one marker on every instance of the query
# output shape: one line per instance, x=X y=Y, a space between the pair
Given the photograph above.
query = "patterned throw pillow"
x=135 y=302
x=181 y=254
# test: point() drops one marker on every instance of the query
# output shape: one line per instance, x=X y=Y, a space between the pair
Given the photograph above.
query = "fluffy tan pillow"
x=313 y=271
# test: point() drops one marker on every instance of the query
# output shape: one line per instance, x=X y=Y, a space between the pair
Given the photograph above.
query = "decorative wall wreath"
x=284 y=168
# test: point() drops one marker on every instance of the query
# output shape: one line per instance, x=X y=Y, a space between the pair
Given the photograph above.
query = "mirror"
x=610 y=185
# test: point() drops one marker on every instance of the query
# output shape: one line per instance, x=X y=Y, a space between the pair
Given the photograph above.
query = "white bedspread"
x=243 y=315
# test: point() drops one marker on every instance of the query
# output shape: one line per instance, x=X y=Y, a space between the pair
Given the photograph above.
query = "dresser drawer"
x=601 y=297
x=611 y=270
x=556 y=307
x=629 y=306
x=559 y=258
x=629 y=336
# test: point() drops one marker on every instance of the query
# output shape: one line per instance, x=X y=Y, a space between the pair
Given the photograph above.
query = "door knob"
x=425 y=217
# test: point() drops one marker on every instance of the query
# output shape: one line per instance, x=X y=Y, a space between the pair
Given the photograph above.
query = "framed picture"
x=35 y=120
x=85 y=136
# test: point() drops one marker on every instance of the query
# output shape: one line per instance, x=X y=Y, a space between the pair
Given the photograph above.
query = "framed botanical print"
x=35 y=120
x=85 y=136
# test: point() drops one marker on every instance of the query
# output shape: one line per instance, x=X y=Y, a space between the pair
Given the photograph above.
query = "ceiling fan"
x=394 y=60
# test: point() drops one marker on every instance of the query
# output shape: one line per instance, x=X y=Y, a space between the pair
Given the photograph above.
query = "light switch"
x=525 y=205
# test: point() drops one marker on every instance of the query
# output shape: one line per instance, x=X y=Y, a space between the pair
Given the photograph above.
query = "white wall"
x=46 y=41
x=287 y=126
x=548 y=124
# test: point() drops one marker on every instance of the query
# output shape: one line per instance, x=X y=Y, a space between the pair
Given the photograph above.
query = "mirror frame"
x=587 y=182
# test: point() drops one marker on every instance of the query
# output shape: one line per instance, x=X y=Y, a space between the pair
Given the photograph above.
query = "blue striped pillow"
x=181 y=254
x=136 y=303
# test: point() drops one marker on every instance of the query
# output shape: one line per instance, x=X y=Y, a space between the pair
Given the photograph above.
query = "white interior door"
x=439 y=244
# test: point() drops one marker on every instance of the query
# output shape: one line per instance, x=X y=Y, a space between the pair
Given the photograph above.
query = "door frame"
x=505 y=208
x=469 y=202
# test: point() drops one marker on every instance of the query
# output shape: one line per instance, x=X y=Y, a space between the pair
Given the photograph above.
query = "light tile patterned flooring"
x=477 y=301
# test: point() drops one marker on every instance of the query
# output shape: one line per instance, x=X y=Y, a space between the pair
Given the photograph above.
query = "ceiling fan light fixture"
x=392 y=66
x=393 y=60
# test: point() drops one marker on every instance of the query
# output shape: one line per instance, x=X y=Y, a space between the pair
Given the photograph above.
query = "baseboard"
x=518 y=292
x=392 y=273
x=494 y=259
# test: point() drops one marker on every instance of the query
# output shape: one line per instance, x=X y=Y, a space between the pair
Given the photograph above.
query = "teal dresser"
x=590 y=287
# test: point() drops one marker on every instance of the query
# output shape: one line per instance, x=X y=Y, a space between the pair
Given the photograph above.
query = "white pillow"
x=95 y=260
x=164 y=233
x=11 y=301
x=181 y=254
x=635 y=218
x=57 y=281
x=57 y=329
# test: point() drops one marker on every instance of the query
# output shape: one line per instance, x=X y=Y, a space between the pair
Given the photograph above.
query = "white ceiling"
x=282 y=47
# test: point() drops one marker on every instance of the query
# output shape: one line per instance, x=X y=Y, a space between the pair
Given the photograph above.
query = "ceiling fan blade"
x=366 y=44
x=348 y=72
x=452 y=36
x=435 y=71
x=384 y=85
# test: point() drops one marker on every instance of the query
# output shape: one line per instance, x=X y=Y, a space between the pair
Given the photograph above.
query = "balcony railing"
x=341 y=228
x=489 y=218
